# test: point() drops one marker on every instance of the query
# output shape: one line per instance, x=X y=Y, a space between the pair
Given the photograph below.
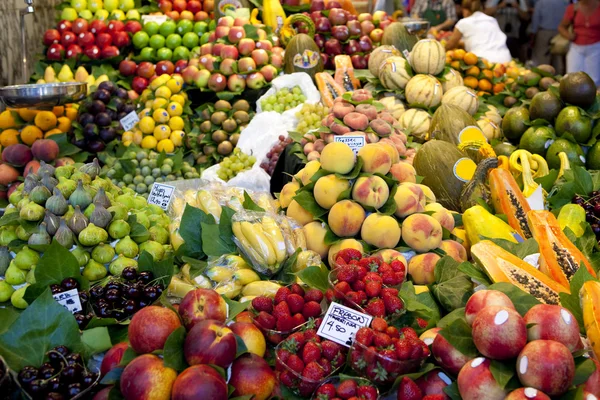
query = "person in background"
x=441 y=14
x=480 y=33
x=547 y=15
x=584 y=51
x=509 y=14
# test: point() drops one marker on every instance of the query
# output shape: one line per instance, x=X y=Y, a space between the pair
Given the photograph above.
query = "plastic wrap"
x=300 y=79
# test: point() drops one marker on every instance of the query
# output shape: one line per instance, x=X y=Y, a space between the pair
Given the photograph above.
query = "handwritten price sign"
x=341 y=323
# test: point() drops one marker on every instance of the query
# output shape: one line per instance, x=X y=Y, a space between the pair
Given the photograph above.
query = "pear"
x=65 y=74
x=81 y=75
x=49 y=74
x=40 y=81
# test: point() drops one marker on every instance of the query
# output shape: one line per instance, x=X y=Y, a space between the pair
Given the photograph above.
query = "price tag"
x=356 y=142
x=129 y=121
x=536 y=200
x=159 y=19
x=160 y=195
x=341 y=323
x=406 y=53
x=69 y=300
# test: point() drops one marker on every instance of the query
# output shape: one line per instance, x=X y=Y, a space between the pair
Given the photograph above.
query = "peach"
x=476 y=382
x=391 y=149
x=454 y=250
x=421 y=268
x=345 y=218
x=202 y=304
x=308 y=171
x=45 y=149
x=499 y=333
x=210 y=342
x=251 y=375
x=527 y=393
x=244 y=316
x=442 y=215
x=546 y=365
x=370 y=191
x=421 y=232
x=150 y=327
x=199 y=381
x=337 y=157
x=549 y=322
x=356 y=121
x=328 y=189
x=341 y=245
x=287 y=193
x=433 y=383
x=341 y=109
x=381 y=127
x=368 y=110
x=429 y=335
x=113 y=357
x=146 y=378
x=32 y=166
x=315 y=238
x=447 y=356
x=103 y=394
x=298 y=213
x=409 y=199
x=429 y=196
x=375 y=158
x=592 y=385
x=17 y=154
x=251 y=336
x=381 y=231
x=462 y=235
x=484 y=298
x=403 y=172
x=9 y=174
x=389 y=255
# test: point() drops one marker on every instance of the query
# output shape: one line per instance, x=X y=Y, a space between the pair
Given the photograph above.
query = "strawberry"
x=364 y=336
x=297 y=289
x=388 y=360
x=329 y=295
x=330 y=349
x=376 y=308
x=354 y=262
x=357 y=361
x=311 y=309
x=422 y=323
x=381 y=340
x=366 y=392
x=408 y=390
x=281 y=309
x=282 y=356
x=384 y=268
x=389 y=278
x=311 y=335
x=407 y=332
x=373 y=288
x=266 y=320
x=313 y=371
x=400 y=276
x=298 y=319
x=416 y=349
x=313 y=295
x=434 y=397
x=295 y=340
x=403 y=349
x=379 y=324
x=295 y=363
x=339 y=262
x=285 y=323
x=326 y=364
x=341 y=288
x=370 y=355
x=426 y=351
x=392 y=332
x=287 y=378
x=327 y=390
x=376 y=373
x=295 y=303
x=398 y=266
x=358 y=285
x=346 y=273
x=282 y=294
x=311 y=352
x=349 y=254
x=347 y=389
x=372 y=277
x=262 y=303
x=389 y=292
x=338 y=360
x=353 y=297
x=306 y=387
x=361 y=272
x=392 y=304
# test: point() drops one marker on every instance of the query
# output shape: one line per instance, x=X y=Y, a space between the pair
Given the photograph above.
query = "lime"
x=205 y=38
x=110 y=5
x=190 y=40
x=212 y=25
x=200 y=27
x=167 y=28
x=593 y=157
x=571 y=120
x=537 y=139
x=157 y=41
x=86 y=14
x=544 y=105
x=133 y=14
x=151 y=28
x=117 y=14
x=140 y=39
x=148 y=54
x=184 y=26
x=164 y=53
x=69 y=14
x=181 y=53
x=573 y=151
x=515 y=121
x=126 y=5
x=173 y=40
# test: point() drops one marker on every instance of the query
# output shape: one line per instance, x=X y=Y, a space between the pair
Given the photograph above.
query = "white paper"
x=341 y=323
x=69 y=300
x=159 y=19
x=536 y=200
x=533 y=259
x=161 y=195
x=355 y=142
x=129 y=121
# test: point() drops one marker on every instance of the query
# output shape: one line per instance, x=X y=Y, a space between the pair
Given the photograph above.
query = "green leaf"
x=287 y=275
x=217 y=239
x=189 y=230
x=474 y=272
x=95 y=340
x=10 y=219
x=521 y=250
x=409 y=297
x=308 y=202
x=40 y=327
x=452 y=391
x=389 y=207
x=65 y=148
x=523 y=301
x=173 y=351
x=8 y=315
x=571 y=301
x=197 y=267
x=161 y=270
x=315 y=277
x=547 y=181
x=112 y=376
x=115 y=393
x=241 y=346
x=573 y=394
x=582 y=179
x=459 y=313
x=128 y=356
x=355 y=171
x=502 y=372
x=234 y=307
x=453 y=287
x=458 y=334
x=584 y=368
x=250 y=205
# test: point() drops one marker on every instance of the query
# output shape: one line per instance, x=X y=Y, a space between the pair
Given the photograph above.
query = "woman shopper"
x=480 y=33
x=584 y=51
x=441 y=14
x=547 y=16
x=510 y=15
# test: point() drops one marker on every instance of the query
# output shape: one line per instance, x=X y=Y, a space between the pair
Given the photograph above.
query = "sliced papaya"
x=559 y=257
x=503 y=266
x=329 y=88
x=590 y=305
x=508 y=199
x=344 y=73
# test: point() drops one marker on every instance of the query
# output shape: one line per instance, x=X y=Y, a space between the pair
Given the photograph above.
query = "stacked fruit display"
x=310 y=117
x=347 y=387
x=193 y=10
x=478 y=73
x=284 y=99
x=145 y=71
x=99 y=9
x=65 y=74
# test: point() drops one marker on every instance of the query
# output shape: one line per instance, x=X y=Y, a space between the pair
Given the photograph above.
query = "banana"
x=273 y=233
x=179 y=288
x=209 y=204
x=255 y=235
x=202 y=282
x=236 y=227
x=305 y=259
x=236 y=262
x=230 y=289
x=590 y=301
x=261 y=288
x=220 y=274
x=246 y=276
x=299 y=238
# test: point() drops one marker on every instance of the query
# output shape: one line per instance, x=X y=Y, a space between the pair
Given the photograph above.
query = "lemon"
x=175 y=84
x=177 y=98
x=165 y=145
x=146 y=112
x=177 y=137
x=149 y=142
x=174 y=109
x=127 y=143
x=162 y=132
x=137 y=137
x=163 y=92
x=8 y=137
x=176 y=123
x=146 y=125
x=148 y=104
x=159 y=81
x=146 y=94
x=7 y=120
x=161 y=115
x=127 y=136
x=159 y=103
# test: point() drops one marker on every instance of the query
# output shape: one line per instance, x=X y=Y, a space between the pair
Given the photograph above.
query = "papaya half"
x=344 y=73
x=508 y=199
x=590 y=305
x=329 y=88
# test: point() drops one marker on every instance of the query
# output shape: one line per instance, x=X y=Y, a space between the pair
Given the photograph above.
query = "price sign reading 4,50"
x=161 y=195
x=341 y=323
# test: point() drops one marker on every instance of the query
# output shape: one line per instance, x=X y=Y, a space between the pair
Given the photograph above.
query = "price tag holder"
x=159 y=19
x=69 y=300
x=160 y=195
x=405 y=53
x=129 y=121
x=355 y=142
x=341 y=323
x=536 y=200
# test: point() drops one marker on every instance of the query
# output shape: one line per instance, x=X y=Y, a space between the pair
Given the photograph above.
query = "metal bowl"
x=418 y=27
x=45 y=95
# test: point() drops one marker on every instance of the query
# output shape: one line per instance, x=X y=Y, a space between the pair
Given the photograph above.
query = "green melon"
x=303 y=55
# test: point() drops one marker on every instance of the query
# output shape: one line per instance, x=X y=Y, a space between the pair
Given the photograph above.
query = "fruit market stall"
x=255 y=200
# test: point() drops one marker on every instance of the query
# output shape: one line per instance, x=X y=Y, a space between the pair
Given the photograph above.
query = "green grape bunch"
x=283 y=100
x=234 y=164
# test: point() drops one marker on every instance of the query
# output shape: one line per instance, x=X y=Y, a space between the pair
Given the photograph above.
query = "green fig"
x=102 y=198
x=66 y=187
x=4 y=259
x=118 y=211
x=52 y=223
x=126 y=200
x=94 y=271
x=80 y=176
x=17 y=298
x=45 y=169
x=142 y=219
x=69 y=214
x=49 y=182
x=92 y=169
x=80 y=197
x=154 y=248
x=57 y=204
x=32 y=212
x=101 y=183
x=139 y=202
x=24 y=201
x=22 y=233
x=127 y=247
x=120 y=263
x=92 y=236
x=15 y=197
x=39 y=195
x=10 y=209
x=81 y=255
x=103 y=253
x=6 y=291
x=118 y=229
x=159 y=234
x=7 y=235
x=89 y=210
x=101 y=216
x=64 y=171
x=78 y=222
x=64 y=236
x=15 y=276
x=26 y=258
x=40 y=237
x=30 y=277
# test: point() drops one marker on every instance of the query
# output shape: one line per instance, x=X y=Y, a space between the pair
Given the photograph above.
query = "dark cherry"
x=119 y=315
x=75 y=358
x=28 y=374
x=54 y=396
x=38 y=387
x=47 y=372
x=71 y=373
x=130 y=307
x=97 y=292
x=54 y=385
x=69 y=284
x=145 y=276
x=112 y=295
x=104 y=312
x=143 y=303
x=151 y=293
x=56 y=289
x=84 y=296
x=88 y=378
x=113 y=285
x=129 y=273
x=81 y=320
x=74 y=389
x=133 y=292
x=159 y=289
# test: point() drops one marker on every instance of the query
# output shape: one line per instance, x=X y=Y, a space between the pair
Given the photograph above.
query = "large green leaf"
x=162 y=270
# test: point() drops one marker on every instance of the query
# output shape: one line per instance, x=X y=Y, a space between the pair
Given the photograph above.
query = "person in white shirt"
x=480 y=33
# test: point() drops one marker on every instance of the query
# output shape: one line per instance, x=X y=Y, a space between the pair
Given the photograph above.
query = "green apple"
x=148 y=54
x=167 y=28
x=79 y=5
x=95 y=5
x=117 y=14
x=133 y=14
x=140 y=39
x=157 y=41
x=190 y=40
x=184 y=26
x=151 y=28
x=173 y=40
x=200 y=27
x=212 y=25
x=204 y=38
x=102 y=15
x=181 y=53
x=126 y=5
x=86 y=14
x=110 y=5
x=69 y=13
x=195 y=52
x=164 y=54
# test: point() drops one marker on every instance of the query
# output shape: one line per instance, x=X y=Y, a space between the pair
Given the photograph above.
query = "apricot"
x=356 y=121
x=422 y=268
x=485 y=298
x=528 y=393
x=476 y=382
x=328 y=189
x=375 y=159
x=308 y=171
x=341 y=245
x=409 y=199
x=549 y=322
x=370 y=191
x=287 y=193
x=315 y=238
x=17 y=154
x=454 y=250
x=447 y=356
x=546 y=365
x=345 y=218
x=8 y=174
x=421 y=232
x=337 y=157
x=442 y=215
x=499 y=333
x=404 y=172
x=298 y=213
x=381 y=231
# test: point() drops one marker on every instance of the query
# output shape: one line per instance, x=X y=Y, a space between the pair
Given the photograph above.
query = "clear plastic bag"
x=300 y=79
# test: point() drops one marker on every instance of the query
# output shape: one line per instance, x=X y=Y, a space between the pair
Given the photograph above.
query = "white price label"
x=341 y=323
x=536 y=200
x=160 y=195
x=159 y=19
x=129 y=121
x=355 y=142
x=406 y=53
x=69 y=300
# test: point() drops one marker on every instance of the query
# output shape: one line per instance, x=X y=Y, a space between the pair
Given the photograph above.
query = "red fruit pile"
x=145 y=71
x=95 y=40
x=193 y=10
x=409 y=390
x=348 y=389
x=304 y=360
x=383 y=352
x=291 y=307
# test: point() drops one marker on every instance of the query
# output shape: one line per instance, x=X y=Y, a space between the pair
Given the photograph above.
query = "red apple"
x=269 y=72
x=240 y=21
x=326 y=61
x=115 y=26
x=199 y=381
x=68 y=38
x=97 y=26
x=132 y=26
x=64 y=26
x=228 y=67
x=74 y=51
x=365 y=44
x=121 y=39
x=433 y=383
x=359 y=62
x=264 y=44
x=229 y=51
x=255 y=80
x=246 y=64
x=354 y=28
x=86 y=39
x=333 y=47
x=194 y=6
x=52 y=36
x=165 y=6
x=277 y=61
x=246 y=46
x=147 y=378
x=201 y=78
x=185 y=14
x=317 y=6
x=236 y=33
x=337 y=16
x=206 y=48
x=236 y=83
x=251 y=375
x=150 y=327
x=202 y=304
x=165 y=67
x=340 y=32
x=216 y=49
x=221 y=31
x=109 y=52
x=351 y=47
x=55 y=52
x=217 y=82
x=113 y=357
x=210 y=342
x=485 y=298
x=189 y=73
x=127 y=68
x=208 y=62
x=103 y=40
x=376 y=35
x=79 y=25
x=92 y=52
x=226 y=21
x=366 y=27
x=384 y=24
x=365 y=17
x=146 y=69
x=139 y=84
x=592 y=385
x=179 y=5
x=260 y=57
x=333 y=4
x=447 y=356
x=174 y=15
x=322 y=25
x=180 y=66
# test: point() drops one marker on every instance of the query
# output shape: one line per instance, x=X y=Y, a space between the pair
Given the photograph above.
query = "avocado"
x=578 y=88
